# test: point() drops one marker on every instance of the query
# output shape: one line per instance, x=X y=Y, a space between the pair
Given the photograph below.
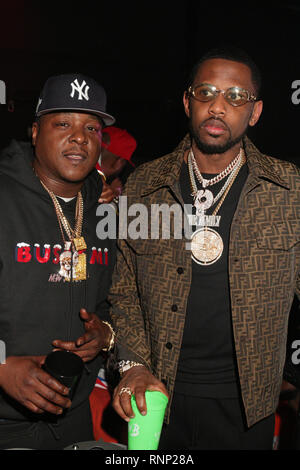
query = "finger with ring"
x=125 y=390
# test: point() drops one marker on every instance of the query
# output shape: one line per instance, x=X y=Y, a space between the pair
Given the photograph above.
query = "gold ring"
x=125 y=390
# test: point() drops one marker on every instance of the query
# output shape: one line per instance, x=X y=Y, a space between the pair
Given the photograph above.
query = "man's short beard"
x=210 y=149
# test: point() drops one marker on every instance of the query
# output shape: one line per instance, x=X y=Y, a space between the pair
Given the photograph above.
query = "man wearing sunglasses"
x=203 y=319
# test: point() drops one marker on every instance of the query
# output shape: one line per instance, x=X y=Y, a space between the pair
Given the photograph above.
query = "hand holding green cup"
x=144 y=431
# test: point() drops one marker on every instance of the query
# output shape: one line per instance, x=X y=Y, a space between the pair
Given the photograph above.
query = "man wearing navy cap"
x=55 y=272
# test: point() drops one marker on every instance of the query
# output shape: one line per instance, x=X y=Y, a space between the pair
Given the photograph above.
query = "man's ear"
x=186 y=103
x=35 y=129
x=256 y=112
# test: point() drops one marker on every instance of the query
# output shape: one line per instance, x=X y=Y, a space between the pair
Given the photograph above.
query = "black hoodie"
x=37 y=305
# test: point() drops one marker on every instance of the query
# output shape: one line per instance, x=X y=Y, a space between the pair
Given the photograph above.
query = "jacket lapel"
x=260 y=167
x=167 y=170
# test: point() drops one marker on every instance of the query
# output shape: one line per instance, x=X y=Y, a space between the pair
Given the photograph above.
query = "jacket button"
x=180 y=270
x=174 y=308
x=169 y=345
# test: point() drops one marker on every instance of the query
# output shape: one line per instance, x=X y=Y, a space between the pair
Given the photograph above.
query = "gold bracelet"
x=112 y=338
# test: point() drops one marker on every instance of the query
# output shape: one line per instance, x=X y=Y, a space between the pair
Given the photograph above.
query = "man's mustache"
x=215 y=122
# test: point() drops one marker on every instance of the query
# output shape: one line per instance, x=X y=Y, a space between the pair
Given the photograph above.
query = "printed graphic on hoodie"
x=69 y=263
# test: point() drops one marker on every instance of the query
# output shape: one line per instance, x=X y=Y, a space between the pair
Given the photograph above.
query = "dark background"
x=141 y=53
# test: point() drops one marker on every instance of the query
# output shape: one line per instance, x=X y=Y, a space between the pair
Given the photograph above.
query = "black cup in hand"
x=66 y=367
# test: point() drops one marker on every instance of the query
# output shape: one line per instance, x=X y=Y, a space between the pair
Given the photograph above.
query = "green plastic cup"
x=144 y=431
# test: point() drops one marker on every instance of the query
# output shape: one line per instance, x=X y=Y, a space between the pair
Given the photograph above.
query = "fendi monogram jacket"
x=152 y=277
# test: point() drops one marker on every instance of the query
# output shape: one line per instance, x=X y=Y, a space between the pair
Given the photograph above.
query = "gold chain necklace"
x=73 y=258
x=203 y=198
x=207 y=244
x=204 y=182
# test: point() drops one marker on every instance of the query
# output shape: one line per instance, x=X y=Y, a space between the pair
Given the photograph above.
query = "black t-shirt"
x=207 y=358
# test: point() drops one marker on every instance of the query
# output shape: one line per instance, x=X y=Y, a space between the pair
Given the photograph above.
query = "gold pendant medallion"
x=79 y=266
x=206 y=246
x=79 y=243
x=79 y=259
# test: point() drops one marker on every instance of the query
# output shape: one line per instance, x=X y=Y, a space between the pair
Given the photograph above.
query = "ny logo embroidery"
x=82 y=90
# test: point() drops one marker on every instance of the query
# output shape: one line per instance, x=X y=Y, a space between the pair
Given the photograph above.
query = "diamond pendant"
x=203 y=200
x=206 y=246
x=73 y=262
x=65 y=260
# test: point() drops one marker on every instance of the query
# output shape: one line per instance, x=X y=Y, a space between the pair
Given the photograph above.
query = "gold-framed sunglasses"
x=234 y=95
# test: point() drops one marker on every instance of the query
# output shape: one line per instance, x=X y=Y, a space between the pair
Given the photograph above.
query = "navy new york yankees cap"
x=73 y=92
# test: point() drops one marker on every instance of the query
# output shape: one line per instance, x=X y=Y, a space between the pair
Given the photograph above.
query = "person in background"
x=115 y=162
x=118 y=146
